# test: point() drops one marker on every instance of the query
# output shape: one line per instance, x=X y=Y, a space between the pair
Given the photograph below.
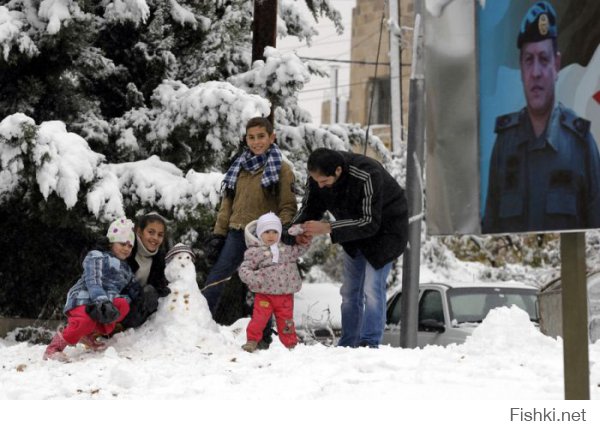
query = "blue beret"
x=539 y=23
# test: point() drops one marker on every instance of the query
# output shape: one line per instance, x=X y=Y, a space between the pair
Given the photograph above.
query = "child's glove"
x=213 y=246
x=103 y=312
x=295 y=230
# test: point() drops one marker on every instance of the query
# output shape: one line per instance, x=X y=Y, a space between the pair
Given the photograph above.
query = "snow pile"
x=510 y=329
x=180 y=354
x=182 y=323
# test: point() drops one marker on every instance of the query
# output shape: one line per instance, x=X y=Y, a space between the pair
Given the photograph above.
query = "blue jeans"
x=229 y=261
x=363 y=302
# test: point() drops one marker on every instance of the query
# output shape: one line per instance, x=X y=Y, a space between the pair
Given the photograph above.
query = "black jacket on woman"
x=145 y=300
x=156 y=278
x=369 y=207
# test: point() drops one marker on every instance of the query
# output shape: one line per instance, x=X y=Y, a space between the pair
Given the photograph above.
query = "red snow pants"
x=282 y=305
x=79 y=323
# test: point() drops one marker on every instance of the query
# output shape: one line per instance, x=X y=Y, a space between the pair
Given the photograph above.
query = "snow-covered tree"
x=114 y=107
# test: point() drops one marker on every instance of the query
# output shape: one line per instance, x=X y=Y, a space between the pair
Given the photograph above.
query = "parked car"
x=449 y=312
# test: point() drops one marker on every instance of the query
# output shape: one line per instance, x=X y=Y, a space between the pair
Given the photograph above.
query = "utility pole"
x=414 y=190
x=395 y=76
x=576 y=360
x=401 y=77
x=264 y=31
x=333 y=108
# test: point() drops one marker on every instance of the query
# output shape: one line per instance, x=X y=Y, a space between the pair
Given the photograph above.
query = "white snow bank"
x=505 y=359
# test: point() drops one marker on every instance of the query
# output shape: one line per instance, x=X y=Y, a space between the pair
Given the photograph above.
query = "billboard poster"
x=513 y=116
x=539 y=115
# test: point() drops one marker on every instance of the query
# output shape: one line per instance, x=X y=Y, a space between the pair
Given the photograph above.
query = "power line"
x=343 y=85
x=295 y=47
x=362 y=40
x=349 y=61
x=344 y=61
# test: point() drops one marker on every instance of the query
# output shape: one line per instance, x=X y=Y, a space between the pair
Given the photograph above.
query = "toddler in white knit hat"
x=270 y=270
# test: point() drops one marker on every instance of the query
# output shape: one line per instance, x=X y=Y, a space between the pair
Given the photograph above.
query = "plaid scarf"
x=271 y=160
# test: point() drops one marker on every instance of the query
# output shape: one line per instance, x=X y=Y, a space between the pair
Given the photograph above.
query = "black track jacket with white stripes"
x=369 y=208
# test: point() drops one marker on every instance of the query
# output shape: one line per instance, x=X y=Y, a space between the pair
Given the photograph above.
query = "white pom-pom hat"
x=121 y=230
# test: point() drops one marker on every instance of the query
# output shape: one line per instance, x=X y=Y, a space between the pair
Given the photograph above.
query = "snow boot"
x=250 y=346
x=263 y=344
x=267 y=338
x=54 y=351
x=91 y=342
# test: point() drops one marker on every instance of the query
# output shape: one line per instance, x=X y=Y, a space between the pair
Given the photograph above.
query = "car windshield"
x=473 y=304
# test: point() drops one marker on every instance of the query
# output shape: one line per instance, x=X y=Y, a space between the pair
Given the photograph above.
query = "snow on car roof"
x=507 y=284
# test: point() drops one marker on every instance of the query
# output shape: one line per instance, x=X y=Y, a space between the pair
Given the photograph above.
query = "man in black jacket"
x=370 y=222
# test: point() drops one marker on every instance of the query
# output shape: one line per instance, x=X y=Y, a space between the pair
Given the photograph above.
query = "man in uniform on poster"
x=545 y=166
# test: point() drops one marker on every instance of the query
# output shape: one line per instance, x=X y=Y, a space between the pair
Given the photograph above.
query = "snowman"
x=182 y=324
x=185 y=306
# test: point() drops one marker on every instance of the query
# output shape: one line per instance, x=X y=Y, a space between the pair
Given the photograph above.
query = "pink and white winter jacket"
x=264 y=276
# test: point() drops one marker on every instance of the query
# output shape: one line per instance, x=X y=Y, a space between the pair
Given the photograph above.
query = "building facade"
x=370 y=25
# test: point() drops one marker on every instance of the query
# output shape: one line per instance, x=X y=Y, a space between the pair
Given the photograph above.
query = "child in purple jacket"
x=269 y=268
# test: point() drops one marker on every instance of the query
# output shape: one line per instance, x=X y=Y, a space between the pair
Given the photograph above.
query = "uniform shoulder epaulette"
x=504 y=122
x=578 y=125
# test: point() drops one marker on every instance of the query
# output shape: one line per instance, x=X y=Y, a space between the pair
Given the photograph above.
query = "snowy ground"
x=182 y=354
x=506 y=358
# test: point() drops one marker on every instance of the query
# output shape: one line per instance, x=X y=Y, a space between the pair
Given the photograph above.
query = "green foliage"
x=42 y=243
x=193 y=229
x=534 y=250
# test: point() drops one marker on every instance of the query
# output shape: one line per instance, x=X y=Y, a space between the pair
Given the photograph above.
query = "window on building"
x=380 y=90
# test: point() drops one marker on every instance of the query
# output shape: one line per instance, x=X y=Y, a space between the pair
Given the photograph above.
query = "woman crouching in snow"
x=269 y=268
x=95 y=303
